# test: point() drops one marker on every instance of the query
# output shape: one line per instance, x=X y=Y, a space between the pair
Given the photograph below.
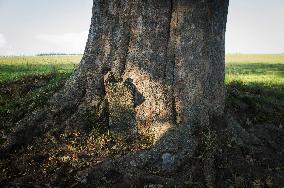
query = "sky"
x=29 y=27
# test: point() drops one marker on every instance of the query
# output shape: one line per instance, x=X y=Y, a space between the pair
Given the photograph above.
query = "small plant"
x=210 y=141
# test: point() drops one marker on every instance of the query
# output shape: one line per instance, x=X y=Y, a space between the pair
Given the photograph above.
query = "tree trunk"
x=161 y=64
x=170 y=56
x=150 y=67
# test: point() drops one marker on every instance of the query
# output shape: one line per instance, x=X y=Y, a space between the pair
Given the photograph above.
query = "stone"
x=168 y=159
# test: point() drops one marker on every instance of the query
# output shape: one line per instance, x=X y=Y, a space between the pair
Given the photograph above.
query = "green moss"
x=122 y=117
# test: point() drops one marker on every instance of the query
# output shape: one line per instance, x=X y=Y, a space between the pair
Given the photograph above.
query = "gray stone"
x=168 y=159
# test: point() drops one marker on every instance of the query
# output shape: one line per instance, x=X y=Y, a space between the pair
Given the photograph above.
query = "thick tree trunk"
x=170 y=54
x=149 y=67
x=161 y=64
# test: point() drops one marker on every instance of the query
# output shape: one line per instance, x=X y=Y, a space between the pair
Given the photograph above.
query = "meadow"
x=255 y=87
x=261 y=69
x=27 y=82
x=12 y=68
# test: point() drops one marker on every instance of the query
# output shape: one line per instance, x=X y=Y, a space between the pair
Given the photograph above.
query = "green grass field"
x=249 y=69
x=12 y=68
x=255 y=85
x=26 y=83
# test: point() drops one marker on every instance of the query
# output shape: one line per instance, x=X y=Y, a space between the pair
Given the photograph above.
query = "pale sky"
x=41 y=26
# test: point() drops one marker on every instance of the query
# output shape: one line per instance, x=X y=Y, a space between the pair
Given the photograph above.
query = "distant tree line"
x=57 y=54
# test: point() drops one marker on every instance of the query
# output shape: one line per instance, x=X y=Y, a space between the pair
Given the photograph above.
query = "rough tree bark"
x=169 y=57
x=149 y=67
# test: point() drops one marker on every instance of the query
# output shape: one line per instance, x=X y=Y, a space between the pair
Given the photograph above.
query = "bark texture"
x=164 y=60
x=170 y=52
x=149 y=67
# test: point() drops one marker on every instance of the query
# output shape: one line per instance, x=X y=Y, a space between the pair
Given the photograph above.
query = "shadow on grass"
x=256 y=102
x=24 y=95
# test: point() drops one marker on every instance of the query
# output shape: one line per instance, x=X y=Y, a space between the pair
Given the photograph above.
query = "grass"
x=26 y=94
x=26 y=83
x=256 y=87
x=12 y=68
x=261 y=69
